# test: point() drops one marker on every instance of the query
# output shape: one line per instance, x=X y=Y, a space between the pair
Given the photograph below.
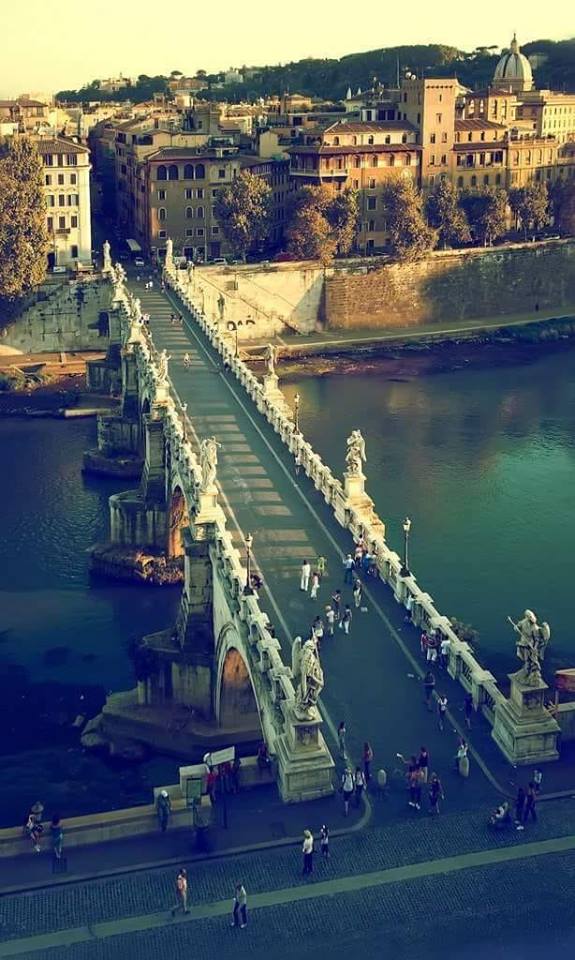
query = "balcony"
x=321 y=174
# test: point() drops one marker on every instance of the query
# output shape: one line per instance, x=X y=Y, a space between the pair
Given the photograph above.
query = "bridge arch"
x=178 y=520
x=236 y=704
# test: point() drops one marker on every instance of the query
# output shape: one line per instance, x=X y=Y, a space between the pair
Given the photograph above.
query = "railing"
x=462 y=664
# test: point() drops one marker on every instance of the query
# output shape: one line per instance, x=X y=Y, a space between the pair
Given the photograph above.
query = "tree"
x=446 y=216
x=563 y=205
x=243 y=210
x=410 y=237
x=321 y=223
x=486 y=212
x=23 y=232
x=531 y=206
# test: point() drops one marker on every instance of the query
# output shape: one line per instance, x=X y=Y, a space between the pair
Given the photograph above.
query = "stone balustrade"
x=462 y=664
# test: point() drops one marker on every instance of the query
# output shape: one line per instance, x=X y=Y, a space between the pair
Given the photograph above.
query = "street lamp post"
x=184 y=408
x=296 y=403
x=405 y=572
x=248 y=591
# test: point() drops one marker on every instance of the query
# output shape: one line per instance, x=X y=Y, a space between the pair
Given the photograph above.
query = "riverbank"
x=417 y=355
x=60 y=396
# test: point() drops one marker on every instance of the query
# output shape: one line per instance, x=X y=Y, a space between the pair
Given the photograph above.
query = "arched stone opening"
x=178 y=519
x=238 y=709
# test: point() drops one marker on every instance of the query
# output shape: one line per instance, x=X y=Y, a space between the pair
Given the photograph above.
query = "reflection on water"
x=483 y=461
x=62 y=635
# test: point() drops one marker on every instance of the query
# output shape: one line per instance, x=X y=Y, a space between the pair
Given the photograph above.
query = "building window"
x=173 y=172
x=370 y=140
x=371 y=203
x=74 y=221
x=215 y=231
x=162 y=173
x=200 y=193
x=498 y=178
x=336 y=141
x=388 y=139
x=48 y=160
x=189 y=213
x=72 y=160
x=161 y=194
x=73 y=179
x=60 y=179
x=162 y=213
x=482 y=135
x=392 y=160
x=460 y=181
x=444 y=137
x=372 y=183
x=61 y=200
x=50 y=200
x=50 y=224
x=357 y=161
x=221 y=173
x=189 y=194
x=486 y=180
x=371 y=226
x=200 y=232
x=443 y=159
x=200 y=213
x=74 y=251
x=189 y=253
x=432 y=138
x=474 y=181
x=354 y=141
x=61 y=223
x=190 y=232
x=374 y=161
x=404 y=138
x=407 y=160
x=438 y=117
x=200 y=171
x=432 y=160
x=189 y=171
x=48 y=180
x=162 y=234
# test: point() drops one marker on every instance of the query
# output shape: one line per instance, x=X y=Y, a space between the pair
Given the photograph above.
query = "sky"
x=48 y=47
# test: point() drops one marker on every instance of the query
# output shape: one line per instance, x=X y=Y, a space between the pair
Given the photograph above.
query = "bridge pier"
x=119 y=434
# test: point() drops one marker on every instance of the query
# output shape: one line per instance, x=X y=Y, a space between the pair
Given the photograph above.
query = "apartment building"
x=67 y=191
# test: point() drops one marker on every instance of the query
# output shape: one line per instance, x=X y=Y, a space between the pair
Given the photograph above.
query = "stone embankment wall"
x=74 y=316
x=278 y=297
x=455 y=285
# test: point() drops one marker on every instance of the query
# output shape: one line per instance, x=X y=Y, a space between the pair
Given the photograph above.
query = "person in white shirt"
x=305 y=575
x=307 y=850
x=314 y=586
x=444 y=649
x=330 y=619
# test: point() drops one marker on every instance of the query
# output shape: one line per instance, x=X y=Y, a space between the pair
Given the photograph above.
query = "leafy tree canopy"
x=243 y=209
x=23 y=234
x=410 y=237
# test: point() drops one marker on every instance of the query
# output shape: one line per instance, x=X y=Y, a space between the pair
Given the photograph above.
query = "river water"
x=62 y=634
x=482 y=460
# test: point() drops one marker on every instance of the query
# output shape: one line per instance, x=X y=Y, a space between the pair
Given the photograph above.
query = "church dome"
x=514 y=69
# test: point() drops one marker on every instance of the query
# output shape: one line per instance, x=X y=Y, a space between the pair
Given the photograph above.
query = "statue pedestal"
x=272 y=392
x=523 y=729
x=305 y=764
x=355 y=498
x=207 y=507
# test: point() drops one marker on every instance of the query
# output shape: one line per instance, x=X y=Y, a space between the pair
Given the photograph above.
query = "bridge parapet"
x=355 y=510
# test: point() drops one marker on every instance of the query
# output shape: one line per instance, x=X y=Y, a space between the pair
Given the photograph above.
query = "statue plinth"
x=523 y=729
x=207 y=506
x=354 y=487
x=272 y=392
x=305 y=764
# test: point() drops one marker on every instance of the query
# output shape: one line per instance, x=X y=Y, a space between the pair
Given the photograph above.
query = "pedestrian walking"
x=348 y=569
x=432 y=647
x=317 y=631
x=423 y=763
x=347 y=788
x=468 y=709
x=415 y=786
x=57 y=836
x=336 y=603
x=324 y=842
x=341 y=733
x=360 y=785
x=330 y=619
x=520 y=808
x=435 y=793
x=240 y=907
x=181 y=892
x=423 y=641
x=187 y=360
x=408 y=608
x=441 y=710
x=297 y=464
x=34 y=831
x=307 y=850
x=305 y=575
x=367 y=760
x=530 y=802
x=321 y=566
x=462 y=759
x=429 y=687
x=163 y=809
x=357 y=590
x=444 y=651
x=314 y=585
x=345 y=622
x=537 y=780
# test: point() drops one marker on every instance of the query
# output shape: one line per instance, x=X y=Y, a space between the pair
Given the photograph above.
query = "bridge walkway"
x=372 y=676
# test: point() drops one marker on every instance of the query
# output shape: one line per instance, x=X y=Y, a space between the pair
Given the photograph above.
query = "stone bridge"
x=215 y=677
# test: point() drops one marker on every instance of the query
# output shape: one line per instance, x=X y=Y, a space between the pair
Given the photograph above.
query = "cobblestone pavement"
x=503 y=910
x=147 y=892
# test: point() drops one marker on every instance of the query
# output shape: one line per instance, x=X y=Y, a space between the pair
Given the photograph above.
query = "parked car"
x=139 y=262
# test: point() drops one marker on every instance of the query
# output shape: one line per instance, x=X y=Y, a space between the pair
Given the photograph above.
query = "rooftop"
x=478 y=124
x=381 y=126
x=59 y=145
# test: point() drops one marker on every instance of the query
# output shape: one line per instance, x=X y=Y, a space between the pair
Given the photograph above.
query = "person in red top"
x=181 y=892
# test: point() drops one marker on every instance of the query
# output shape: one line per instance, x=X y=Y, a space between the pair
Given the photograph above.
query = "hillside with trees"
x=330 y=78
